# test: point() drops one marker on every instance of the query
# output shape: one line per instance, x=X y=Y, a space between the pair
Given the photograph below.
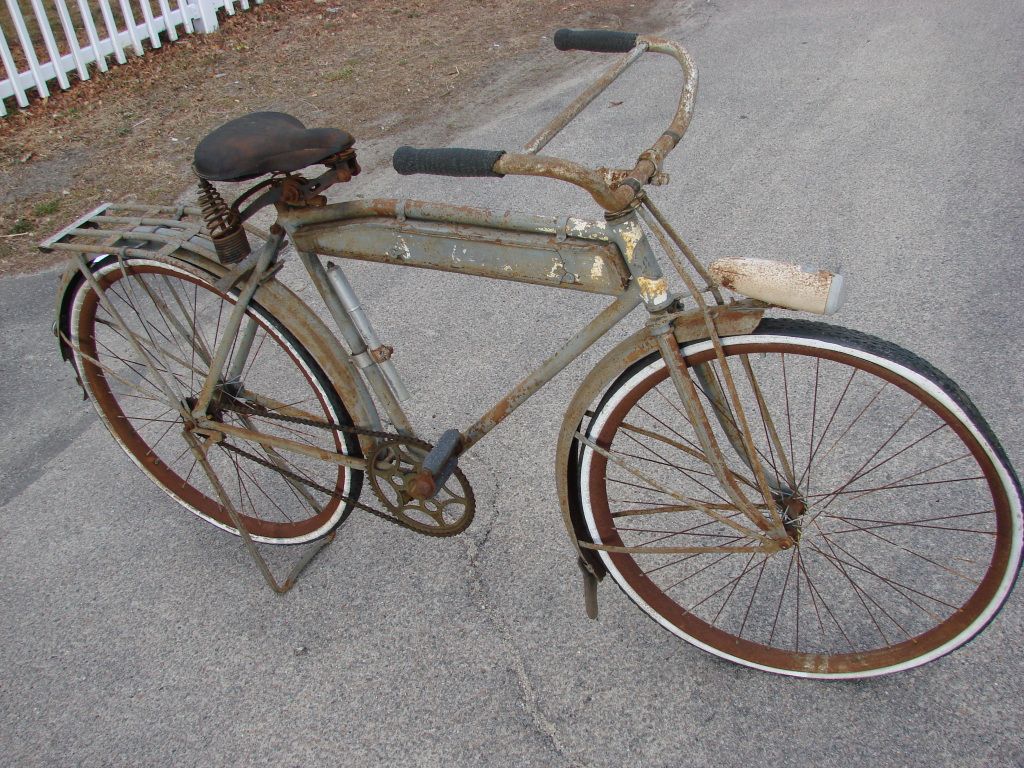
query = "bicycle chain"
x=239 y=407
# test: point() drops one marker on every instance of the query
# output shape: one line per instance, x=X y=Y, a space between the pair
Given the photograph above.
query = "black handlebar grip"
x=596 y=40
x=449 y=161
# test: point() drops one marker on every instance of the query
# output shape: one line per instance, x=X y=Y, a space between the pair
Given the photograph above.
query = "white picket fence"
x=84 y=47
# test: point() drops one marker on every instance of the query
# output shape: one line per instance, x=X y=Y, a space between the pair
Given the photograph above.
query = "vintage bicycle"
x=790 y=495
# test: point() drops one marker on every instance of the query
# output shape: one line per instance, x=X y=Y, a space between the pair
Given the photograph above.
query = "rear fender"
x=308 y=329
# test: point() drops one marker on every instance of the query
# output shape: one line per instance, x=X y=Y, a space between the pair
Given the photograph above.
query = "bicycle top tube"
x=613 y=190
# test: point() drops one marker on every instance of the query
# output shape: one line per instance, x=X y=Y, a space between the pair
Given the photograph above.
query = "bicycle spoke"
x=815 y=592
x=814 y=416
x=855 y=420
x=894 y=486
x=681 y=470
x=772 y=439
x=735 y=583
x=174 y=322
x=857 y=590
x=165 y=354
x=263 y=493
x=253 y=356
x=828 y=426
x=897 y=587
x=700 y=570
x=140 y=392
x=903 y=548
x=782 y=595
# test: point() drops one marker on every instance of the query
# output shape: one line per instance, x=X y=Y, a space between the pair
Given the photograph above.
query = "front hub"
x=793 y=507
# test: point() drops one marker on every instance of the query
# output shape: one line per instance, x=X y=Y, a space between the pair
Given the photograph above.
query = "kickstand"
x=298 y=568
x=247 y=540
x=589 y=588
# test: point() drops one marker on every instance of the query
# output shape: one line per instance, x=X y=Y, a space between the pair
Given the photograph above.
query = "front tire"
x=909 y=518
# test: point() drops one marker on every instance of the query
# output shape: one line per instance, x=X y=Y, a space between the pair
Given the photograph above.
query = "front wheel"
x=904 y=510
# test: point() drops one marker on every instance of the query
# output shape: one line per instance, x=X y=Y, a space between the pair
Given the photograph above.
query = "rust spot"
x=499 y=411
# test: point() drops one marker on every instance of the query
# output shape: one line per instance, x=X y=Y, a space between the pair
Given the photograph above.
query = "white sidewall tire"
x=921 y=381
x=270 y=324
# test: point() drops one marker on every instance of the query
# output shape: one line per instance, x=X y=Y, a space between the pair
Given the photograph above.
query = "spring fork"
x=740 y=438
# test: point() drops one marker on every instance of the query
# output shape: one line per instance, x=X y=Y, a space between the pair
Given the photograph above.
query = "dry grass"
x=372 y=68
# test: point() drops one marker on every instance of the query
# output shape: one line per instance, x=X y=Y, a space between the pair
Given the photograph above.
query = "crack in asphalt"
x=527 y=694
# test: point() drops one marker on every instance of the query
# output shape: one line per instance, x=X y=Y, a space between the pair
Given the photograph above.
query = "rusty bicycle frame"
x=612 y=258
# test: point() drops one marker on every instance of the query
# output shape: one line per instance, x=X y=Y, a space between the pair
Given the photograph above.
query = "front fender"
x=730 y=320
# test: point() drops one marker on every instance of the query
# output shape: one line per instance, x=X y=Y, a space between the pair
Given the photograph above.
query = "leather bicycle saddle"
x=265 y=142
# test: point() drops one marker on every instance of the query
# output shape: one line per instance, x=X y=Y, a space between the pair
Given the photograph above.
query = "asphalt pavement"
x=885 y=138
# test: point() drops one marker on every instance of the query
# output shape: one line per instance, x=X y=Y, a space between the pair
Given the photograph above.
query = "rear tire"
x=176 y=314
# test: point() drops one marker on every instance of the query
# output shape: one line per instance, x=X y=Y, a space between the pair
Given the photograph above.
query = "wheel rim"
x=273 y=508
x=914 y=605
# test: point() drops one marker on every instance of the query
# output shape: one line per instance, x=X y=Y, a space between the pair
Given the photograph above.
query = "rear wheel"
x=176 y=316
x=905 y=512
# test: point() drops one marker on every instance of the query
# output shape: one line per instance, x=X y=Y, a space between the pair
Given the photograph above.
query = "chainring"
x=439 y=518
x=395 y=461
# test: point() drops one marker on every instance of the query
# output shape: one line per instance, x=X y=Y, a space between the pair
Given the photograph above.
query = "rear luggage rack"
x=119 y=227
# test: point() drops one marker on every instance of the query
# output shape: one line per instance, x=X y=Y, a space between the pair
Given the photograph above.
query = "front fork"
x=775 y=493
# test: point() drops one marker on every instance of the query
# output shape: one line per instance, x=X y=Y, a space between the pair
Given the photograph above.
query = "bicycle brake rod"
x=210 y=428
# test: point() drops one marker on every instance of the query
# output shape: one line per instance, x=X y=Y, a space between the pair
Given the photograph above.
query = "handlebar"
x=595 y=40
x=613 y=191
x=447 y=161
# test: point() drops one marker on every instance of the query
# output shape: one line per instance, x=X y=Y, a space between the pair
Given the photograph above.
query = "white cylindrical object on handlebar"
x=782 y=284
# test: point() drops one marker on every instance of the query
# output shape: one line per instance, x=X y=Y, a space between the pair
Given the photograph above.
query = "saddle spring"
x=224 y=225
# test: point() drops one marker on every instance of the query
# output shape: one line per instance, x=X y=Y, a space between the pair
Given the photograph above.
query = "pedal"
x=438 y=466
